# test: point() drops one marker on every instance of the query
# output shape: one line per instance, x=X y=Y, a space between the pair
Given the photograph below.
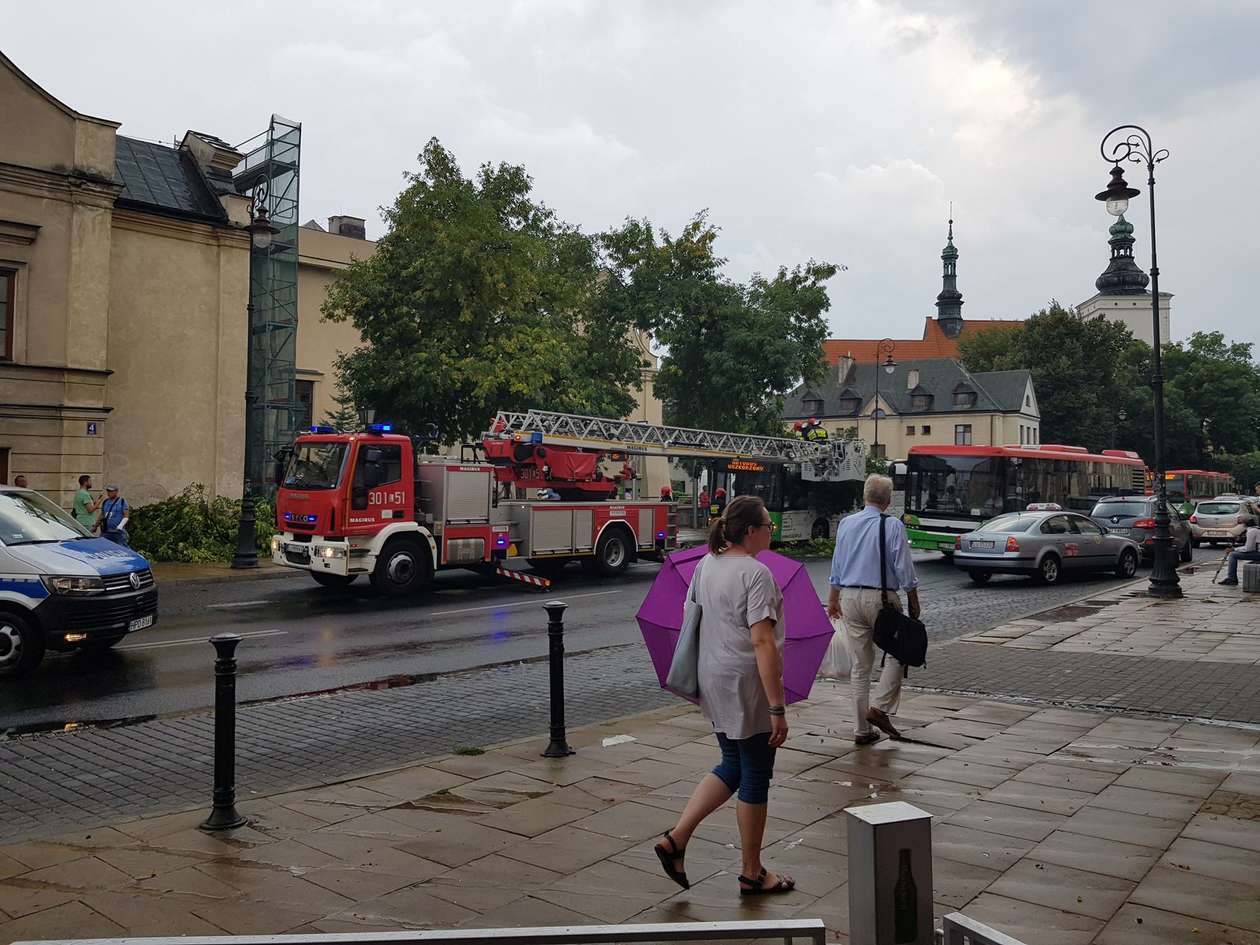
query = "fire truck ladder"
x=647 y=439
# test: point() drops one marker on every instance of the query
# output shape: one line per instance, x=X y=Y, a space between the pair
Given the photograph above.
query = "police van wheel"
x=401 y=568
x=21 y=645
x=323 y=579
x=821 y=529
x=613 y=553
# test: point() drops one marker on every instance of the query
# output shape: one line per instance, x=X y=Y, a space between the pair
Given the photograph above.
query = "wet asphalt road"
x=300 y=638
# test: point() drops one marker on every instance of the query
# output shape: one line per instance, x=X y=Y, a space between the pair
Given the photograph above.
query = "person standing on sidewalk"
x=741 y=690
x=855 y=598
x=1250 y=551
x=114 y=515
x=84 y=505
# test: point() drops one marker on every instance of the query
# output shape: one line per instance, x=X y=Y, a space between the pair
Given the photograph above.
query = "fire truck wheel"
x=613 y=553
x=402 y=567
x=333 y=580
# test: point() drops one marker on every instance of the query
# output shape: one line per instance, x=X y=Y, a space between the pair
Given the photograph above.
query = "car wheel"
x=324 y=579
x=1187 y=553
x=1126 y=567
x=21 y=645
x=613 y=553
x=1049 y=571
x=980 y=577
x=1194 y=542
x=402 y=567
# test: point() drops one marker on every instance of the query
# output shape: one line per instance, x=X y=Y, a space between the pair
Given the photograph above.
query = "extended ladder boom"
x=831 y=460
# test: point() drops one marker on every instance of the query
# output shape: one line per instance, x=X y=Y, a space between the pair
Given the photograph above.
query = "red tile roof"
x=934 y=344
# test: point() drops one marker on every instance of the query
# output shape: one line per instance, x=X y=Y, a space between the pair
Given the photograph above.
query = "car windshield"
x=1009 y=523
x=1217 y=508
x=315 y=466
x=1128 y=508
x=27 y=518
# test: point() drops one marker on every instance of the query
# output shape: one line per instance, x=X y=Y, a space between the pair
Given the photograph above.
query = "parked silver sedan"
x=1044 y=544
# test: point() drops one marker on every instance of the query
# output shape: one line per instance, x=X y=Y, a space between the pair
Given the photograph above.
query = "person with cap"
x=667 y=493
x=20 y=481
x=114 y=515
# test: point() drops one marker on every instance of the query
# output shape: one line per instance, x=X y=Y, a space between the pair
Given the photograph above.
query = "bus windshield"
x=315 y=466
x=971 y=486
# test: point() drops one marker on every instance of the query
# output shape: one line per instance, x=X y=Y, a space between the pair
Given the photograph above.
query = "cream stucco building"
x=124 y=284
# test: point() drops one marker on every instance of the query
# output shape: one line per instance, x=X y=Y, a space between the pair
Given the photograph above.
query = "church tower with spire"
x=950 y=301
x=1122 y=294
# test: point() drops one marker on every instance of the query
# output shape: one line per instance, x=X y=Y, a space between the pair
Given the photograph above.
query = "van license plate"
x=140 y=623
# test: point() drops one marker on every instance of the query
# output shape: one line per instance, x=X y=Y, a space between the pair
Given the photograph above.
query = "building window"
x=964 y=398
x=4 y=465
x=305 y=413
x=925 y=430
x=912 y=379
x=879 y=450
x=921 y=401
x=849 y=405
x=910 y=429
x=813 y=407
x=962 y=434
x=1027 y=400
x=8 y=282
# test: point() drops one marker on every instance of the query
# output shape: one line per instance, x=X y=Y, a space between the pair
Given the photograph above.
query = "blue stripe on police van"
x=23 y=585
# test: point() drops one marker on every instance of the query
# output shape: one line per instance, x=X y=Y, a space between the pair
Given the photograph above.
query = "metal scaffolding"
x=269 y=174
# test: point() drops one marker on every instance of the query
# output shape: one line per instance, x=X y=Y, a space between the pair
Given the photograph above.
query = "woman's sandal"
x=668 y=857
x=758 y=887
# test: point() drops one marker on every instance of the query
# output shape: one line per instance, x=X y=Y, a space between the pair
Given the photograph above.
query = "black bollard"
x=559 y=746
x=224 y=815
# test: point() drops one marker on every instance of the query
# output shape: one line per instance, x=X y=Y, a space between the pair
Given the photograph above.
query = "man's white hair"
x=878 y=490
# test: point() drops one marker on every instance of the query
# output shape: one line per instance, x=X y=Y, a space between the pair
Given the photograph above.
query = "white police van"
x=61 y=588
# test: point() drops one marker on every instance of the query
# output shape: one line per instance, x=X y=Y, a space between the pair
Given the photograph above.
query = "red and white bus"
x=1187 y=487
x=949 y=490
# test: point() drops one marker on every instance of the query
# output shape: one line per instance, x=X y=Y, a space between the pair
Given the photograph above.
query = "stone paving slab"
x=1052 y=825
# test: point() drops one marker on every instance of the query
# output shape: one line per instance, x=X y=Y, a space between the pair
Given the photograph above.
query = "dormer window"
x=921 y=401
x=813 y=406
x=849 y=405
x=964 y=396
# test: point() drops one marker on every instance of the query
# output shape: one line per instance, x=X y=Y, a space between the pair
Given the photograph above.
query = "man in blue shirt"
x=855 y=597
x=114 y=515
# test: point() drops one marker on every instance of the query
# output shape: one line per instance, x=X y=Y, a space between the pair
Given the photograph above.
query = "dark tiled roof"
x=164 y=179
x=938 y=377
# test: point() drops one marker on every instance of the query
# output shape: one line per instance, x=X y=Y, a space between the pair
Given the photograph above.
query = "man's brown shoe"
x=880 y=720
x=866 y=738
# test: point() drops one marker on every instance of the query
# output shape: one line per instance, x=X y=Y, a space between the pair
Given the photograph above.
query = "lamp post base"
x=223 y=818
x=246 y=536
x=1164 y=588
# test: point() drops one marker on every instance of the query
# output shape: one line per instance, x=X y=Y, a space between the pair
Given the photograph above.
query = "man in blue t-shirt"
x=114 y=515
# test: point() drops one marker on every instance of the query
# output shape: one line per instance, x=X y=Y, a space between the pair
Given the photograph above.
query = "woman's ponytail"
x=717 y=535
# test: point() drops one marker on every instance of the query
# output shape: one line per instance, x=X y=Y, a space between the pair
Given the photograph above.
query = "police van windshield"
x=315 y=466
x=27 y=518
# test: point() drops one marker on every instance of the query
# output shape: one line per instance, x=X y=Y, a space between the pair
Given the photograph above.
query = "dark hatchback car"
x=1133 y=516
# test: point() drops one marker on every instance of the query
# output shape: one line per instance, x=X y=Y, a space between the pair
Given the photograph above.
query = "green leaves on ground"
x=192 y=526
x=1093 y=386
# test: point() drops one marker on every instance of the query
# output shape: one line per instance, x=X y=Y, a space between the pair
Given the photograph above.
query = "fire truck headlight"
x=328 y=551
x=275 y=544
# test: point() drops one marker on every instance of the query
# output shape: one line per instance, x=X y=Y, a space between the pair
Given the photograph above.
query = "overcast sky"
x=833 y=130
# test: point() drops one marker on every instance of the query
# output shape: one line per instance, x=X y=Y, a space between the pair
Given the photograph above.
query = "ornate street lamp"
x=1134 y=144
x=884 y=348
x=260 y=233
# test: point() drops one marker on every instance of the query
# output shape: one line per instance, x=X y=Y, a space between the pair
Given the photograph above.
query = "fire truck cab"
x=366 y=503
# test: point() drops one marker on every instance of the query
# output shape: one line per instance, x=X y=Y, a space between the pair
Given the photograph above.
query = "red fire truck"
x=370 y=503
x=536 y=487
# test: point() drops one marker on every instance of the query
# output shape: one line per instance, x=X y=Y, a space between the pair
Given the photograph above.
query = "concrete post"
x=890 y=875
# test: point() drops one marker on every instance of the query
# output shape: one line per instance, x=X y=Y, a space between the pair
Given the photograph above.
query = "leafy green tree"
x=732 y=350
x=1076 y=366
x=345 y=413
x=479 y=298
x=1245 y=468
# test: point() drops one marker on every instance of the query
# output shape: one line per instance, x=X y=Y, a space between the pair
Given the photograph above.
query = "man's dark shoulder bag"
x=898 y=635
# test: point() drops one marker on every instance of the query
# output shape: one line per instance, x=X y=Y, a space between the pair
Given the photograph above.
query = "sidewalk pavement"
x=213 y=572
x=1054 y=826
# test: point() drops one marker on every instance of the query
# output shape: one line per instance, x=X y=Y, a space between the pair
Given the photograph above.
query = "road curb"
x=228 y=577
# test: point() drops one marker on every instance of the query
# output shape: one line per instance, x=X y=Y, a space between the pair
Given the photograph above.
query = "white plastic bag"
x=835 y=664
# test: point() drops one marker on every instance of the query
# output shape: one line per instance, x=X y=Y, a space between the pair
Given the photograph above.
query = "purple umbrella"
x=807 y=629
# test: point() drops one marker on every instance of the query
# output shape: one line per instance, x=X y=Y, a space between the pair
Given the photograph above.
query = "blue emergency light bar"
x=380 y=427
x=321 y=428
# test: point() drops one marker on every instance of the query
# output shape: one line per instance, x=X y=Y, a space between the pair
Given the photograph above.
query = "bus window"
x=967 y=484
